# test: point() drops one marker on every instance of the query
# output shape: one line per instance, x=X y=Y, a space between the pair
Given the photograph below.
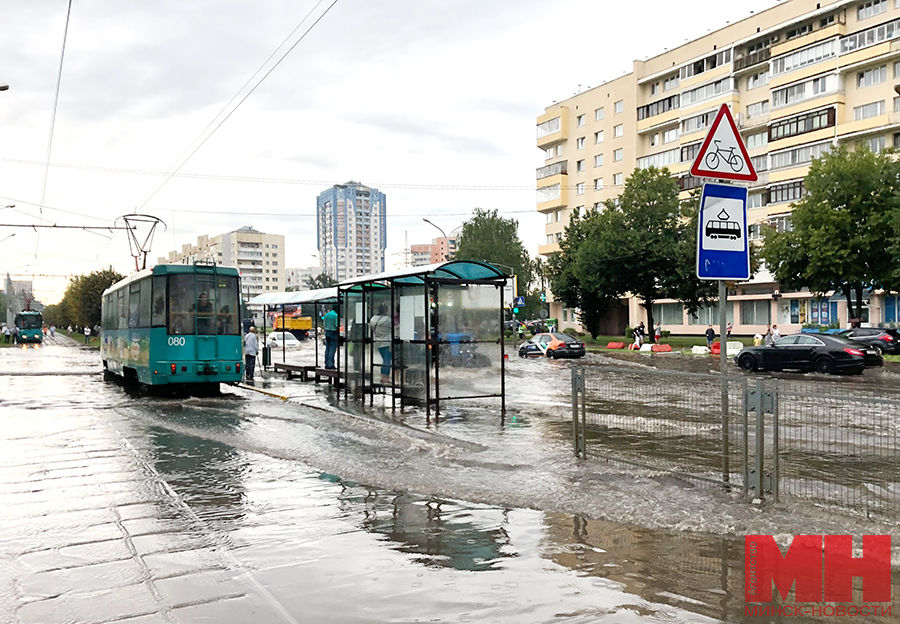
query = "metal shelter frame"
x=319 y=297
x=419 y=345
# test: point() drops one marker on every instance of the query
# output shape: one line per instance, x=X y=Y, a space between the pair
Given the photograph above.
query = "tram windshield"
x=202 y=304
x=29 y=321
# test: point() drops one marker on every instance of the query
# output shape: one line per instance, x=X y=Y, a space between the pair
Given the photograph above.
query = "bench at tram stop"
x=303 y=371
x=332 y=375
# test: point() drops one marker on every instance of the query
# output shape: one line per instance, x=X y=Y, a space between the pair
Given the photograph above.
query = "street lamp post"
x=4 y=86
x=448 y=256
x=10 y=236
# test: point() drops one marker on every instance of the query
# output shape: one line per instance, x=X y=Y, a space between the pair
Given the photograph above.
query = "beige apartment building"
x=799 y=78
x=258 y=256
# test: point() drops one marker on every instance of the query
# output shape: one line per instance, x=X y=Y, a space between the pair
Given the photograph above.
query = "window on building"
x=670 y=135
x=598 y=137
x=871 y=36
x=598 y=160
x=803 y=57
x=799 y=31
x=618 y=179
x=579 y=165
x=897 y=139
x=757 y=140
x=782 y=223
x=550 y=152
x=669 y=313
x=618 y=131
x=866 y=111
x=760 y=163
x=689 y=152
x=709 y=315
x=707 y=91
x=800 y=124
x=706 y=64
x=804 y=90
x=548 y=193
x=579 y=188
x=896 y=69
x=825 y=22
x=672 y=82
x=579 y=143
x=758 y=108
x=618 y=154
x=619 y=106
x=876 y=144
x=660 y=159
x=661 y=106
x=786 y=192
x=598 y=184
x=870 y=9
x=654 y=139
x=799 y=155
x=697 y=122
x=598 y=114
x=756 y=200
x=654 y=88
x=548 y=127
x=580 y=120
x=872 y=76
x=758 y=79
x=756 y=312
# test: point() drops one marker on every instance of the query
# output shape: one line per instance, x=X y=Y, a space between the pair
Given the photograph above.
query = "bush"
x=629 y=332
x=665 y=333
x=572 y=331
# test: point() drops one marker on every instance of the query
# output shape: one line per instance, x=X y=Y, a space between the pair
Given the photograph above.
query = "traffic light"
x=543 y=296
x=515 y=310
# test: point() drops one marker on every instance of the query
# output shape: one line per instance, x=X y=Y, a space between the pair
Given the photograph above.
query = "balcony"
x=553 y=169
x=755 y=58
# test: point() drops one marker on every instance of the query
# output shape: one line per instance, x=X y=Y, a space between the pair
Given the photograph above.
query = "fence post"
x=578 y=441
x=746 y=435
x=775 y=436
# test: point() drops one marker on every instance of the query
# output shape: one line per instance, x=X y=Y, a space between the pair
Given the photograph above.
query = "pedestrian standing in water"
x=657 y=332
x=775 y=333
x=87 y=334
x=330 y=323
x=251 y=350
x=767 y=337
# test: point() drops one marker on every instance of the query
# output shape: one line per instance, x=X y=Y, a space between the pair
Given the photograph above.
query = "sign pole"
x=723 y=357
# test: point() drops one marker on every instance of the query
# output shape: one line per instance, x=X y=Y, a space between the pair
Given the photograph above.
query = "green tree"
x=54 y=314
x=843 y=231
x=643 y=243
x=491 y=238
x=322 y=280
x=81 y=301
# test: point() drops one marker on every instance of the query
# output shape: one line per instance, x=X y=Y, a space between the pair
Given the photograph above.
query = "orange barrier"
x=661 y=348
x=616 y=345
x=716 y=348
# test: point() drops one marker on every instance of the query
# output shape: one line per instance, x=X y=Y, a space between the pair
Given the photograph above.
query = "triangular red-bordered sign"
x=723 y=154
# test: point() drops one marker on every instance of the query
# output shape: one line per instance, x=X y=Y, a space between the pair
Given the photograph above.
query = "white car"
x=280 y=339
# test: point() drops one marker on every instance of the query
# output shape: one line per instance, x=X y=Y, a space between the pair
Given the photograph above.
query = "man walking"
x=251 y=349
x=330 y=323
x=87 y=334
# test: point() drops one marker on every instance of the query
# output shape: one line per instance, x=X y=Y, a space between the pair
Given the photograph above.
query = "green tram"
x=30 y=324
x=175 y=325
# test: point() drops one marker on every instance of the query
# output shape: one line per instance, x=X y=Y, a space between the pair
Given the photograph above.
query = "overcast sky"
x=426 y=100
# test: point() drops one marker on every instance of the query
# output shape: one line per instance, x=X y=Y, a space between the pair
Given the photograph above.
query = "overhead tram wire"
x=301 y=182
x=185 y=159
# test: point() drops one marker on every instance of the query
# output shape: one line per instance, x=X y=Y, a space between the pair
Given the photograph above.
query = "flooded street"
x=251 y=508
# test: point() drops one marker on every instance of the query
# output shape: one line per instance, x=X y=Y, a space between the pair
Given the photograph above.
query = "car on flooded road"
x=552 y=345
x=882 y=340
x=823 y=353
x=282 y=340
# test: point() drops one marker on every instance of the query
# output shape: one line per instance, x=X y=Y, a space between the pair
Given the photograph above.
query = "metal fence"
x=785 y=439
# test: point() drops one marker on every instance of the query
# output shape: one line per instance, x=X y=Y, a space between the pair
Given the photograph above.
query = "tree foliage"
x=491 y=238
x=81 y=302
x=643 y=243
x=322 y=280
x=843 y=231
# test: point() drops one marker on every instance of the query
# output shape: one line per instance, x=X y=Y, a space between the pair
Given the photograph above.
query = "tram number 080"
x=176 y=341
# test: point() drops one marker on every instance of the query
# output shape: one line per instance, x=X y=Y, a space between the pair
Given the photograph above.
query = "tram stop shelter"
x=425 y=335
x=321 y=300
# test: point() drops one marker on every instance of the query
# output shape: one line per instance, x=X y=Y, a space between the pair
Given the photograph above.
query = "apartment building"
x=439 y=250
x=799 y=77
x=298 y=279
x=259 y=257
x=351 y=223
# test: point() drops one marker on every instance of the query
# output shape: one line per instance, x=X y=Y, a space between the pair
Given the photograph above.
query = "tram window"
x=134 y=305
x=181 y=304
x=205 y=306
x=121 y=320
x=159 y=301
x=144 y=310
x=227 y=299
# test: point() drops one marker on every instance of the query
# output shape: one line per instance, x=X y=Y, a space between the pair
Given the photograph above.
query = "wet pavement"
x=250 y=508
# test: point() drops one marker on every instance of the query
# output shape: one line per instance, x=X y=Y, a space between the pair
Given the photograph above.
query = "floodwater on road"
x=247 y=508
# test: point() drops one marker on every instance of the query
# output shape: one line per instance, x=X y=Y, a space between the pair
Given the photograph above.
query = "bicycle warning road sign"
x=723 y=154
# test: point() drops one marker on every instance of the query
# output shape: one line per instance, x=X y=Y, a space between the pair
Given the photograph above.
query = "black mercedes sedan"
x=880 y=339
x=823 y=353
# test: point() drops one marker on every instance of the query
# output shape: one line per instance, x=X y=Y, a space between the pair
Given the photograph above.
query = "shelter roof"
x=465 y=270
x=320 y=295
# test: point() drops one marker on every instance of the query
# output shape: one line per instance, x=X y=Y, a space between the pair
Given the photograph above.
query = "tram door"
x=205 y=309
